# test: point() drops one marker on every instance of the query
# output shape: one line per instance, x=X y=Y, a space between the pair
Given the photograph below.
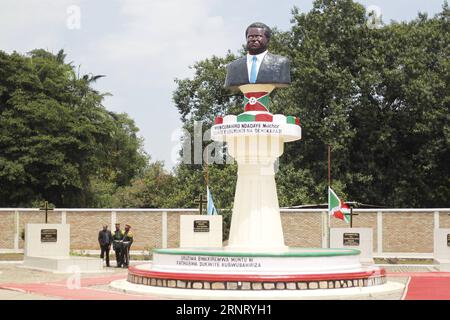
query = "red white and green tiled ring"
x=259 y=117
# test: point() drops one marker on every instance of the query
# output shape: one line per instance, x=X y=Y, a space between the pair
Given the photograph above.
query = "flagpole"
x=328 y=191
x=206 y=174
x=206 y=177
x=329 y=166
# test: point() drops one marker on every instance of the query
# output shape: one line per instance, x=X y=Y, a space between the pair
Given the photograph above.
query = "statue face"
x=257 y=41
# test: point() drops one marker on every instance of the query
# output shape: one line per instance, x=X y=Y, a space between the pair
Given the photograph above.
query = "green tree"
x=378 y=96
x=153 y=190
x=55 y=135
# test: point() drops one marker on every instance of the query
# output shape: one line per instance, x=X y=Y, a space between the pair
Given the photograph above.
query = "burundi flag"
x=211 y=209
x=256 y=101
x=336 y=207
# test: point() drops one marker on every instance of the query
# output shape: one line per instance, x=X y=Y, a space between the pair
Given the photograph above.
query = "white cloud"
x=164 y=37
x=31 y=24
x=147 y=46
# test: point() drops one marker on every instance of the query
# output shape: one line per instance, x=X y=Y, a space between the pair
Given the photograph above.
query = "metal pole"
x=329 y=166
x=351 y=216
x=329 y=186
x=206 y=167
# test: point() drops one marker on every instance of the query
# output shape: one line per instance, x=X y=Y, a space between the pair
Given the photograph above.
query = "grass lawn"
x=11 y=256
x=19 y=256
x=402 y=261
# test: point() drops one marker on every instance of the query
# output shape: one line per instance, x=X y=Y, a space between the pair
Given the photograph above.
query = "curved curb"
x=255 y=277
x=381 y=292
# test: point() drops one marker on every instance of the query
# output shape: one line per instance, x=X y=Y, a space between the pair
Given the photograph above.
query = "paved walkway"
x=427 y=285
x=69 y=290
x=21 y=284
x=21 y=295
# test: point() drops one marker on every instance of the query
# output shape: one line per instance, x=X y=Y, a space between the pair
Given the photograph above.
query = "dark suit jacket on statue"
x=274 y=69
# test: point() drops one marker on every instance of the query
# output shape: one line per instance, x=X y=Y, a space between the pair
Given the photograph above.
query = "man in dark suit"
x=258 y=66
x=105 y=240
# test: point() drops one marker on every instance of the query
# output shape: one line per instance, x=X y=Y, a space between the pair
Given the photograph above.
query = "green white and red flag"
x=337 y=207
x=256 y=101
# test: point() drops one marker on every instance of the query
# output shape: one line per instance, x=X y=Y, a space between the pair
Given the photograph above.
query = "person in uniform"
x=117 y=237
x=127 y=241
x=105 y=240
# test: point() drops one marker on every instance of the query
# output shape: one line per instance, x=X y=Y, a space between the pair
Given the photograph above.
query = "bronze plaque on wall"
x=448 y=239
x=201 y=225
x=351 y=239
x=49 y=235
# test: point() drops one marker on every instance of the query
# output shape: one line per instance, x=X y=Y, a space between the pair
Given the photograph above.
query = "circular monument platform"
x=222 y=269
x=296 y=273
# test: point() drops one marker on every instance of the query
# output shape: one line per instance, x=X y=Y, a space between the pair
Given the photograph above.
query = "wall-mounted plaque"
x=448 y=239
x=49 y=235
x=351 y=239
x=201 y=225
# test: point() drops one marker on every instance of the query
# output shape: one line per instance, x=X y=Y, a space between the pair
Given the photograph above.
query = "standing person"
x=127 y=241
x=117 y=237
x=105 y=240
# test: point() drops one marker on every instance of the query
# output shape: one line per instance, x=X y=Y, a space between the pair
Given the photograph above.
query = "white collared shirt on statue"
x=259 y=59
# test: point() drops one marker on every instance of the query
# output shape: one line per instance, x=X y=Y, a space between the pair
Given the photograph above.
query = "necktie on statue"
x=253 y=71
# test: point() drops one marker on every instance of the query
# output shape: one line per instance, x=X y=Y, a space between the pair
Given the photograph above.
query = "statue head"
x=258 y=36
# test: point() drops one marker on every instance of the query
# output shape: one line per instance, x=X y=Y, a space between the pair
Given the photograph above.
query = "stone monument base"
x=444 y=265
x=64 y=264
x=354 y=238
x=442 y=248
x=47 y=248
x=216 y=271
x=201 y=231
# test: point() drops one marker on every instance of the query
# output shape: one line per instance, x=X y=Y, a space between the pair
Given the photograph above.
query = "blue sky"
x=143 y=45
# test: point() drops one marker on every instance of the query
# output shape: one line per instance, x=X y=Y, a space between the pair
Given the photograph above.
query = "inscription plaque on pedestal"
x=351 y=239
x=448 y=240
x=201 y=225
x=201 y=231
x=49 y=235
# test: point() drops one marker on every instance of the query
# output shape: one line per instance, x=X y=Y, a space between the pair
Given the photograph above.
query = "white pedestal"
x=64 y=264
x=201 y=231
x=442 y=248
x=256 y=222
x=365 y=236
x=37 y=247
x=47 y=248
x=256 y=140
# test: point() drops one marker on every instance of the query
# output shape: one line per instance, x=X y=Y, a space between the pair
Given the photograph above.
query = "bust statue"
x=259 y=66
